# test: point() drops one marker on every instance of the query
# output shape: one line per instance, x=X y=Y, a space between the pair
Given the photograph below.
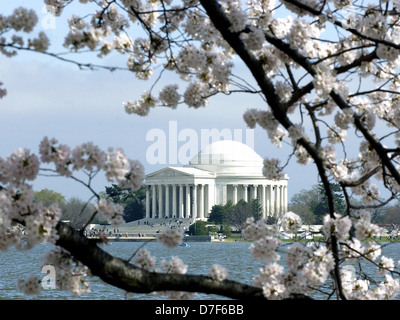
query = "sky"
x=46 y=97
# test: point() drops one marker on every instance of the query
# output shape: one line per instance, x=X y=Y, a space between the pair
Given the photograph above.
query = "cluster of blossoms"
x=25 y=223
x=267 y=121
x=338 y=226
x=30 y=286
x=362 y=246
x=271 y=169
x=171 y=237
x=236 y=15
x=291 y=222
x=142 y=106
x=324 y=81
x=18 y=206
x=175 y=266
x=218 y=272
x=169 y=96
x=362 y=288
x=21 y=21
x=19 y=166
x=117 y=167
x=364 y=228
x=271 y=279
x=308 y=265
x=71 y=274
x=111 y=211
x=145 y=260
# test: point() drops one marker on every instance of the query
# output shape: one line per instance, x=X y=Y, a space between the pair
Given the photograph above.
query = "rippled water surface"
x=199 y=257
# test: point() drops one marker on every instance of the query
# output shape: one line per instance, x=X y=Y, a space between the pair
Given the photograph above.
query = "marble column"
x=166 y=213
x=254 y=192
x=201 y=204
x=286 y=199
x=224 y=199
x=263 y=204
x=235 y=193
x=180 y=209
x=245 y=192
x=187 y=213
x=272 y=200
x=194 y=202
x=174 y=201
x=160 y=202
x=278 y=199
x=154 y=201
x=147 y=202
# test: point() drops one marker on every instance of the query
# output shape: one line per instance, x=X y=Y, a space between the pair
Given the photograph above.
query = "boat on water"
x=184 y=244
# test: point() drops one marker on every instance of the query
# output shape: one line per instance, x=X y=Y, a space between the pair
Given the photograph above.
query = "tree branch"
x=126 y=276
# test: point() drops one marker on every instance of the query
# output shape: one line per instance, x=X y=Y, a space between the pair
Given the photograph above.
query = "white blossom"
x=265 y=248
x=271 y=169
x=30 y=286
x=254 y=39
x=218 y=272
x=145 y=260
x=108 y=209
x=195 y=95
x=171 y=237
x=169 y=96
x=363 y=226
x=385 y=265
x=338 y=226
x=291 y=222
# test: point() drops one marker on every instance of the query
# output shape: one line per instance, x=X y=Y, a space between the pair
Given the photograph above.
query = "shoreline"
x=231 y=240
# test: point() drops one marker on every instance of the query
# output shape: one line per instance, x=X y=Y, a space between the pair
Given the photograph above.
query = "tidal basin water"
x=199 y=257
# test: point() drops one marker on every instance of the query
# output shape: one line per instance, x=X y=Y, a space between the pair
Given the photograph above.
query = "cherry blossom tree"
x=329 y=66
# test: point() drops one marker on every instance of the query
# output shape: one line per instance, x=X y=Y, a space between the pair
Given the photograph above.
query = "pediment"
x=168 y=173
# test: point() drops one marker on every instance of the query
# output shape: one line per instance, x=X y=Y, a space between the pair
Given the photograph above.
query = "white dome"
x=228 y=157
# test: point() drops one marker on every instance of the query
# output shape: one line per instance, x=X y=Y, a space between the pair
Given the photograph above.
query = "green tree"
x=199 y=228
x=133 y=201
x=226 y=229
x=256 y=209
x=238 y=214
x=387 y=214
x=217 y=214
x=303 y=202
x=48 y=197
x=312 y=205
x=322 y=207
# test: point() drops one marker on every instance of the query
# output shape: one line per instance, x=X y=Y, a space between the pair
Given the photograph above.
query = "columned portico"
x=192 y=190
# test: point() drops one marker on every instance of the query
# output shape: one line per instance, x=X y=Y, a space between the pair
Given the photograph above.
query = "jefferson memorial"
x=222 y=171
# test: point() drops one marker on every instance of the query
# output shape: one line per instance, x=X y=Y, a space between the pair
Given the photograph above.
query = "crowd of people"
x=113 y=233
x=117 y=233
